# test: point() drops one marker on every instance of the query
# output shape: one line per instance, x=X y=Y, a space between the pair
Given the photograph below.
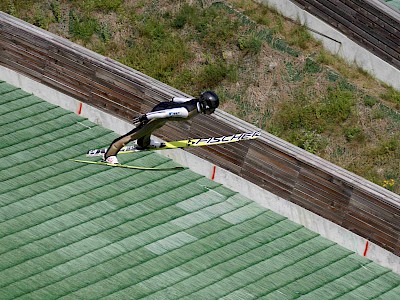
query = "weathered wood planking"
x=268 y=162
x=369 y=23
x=382 y=21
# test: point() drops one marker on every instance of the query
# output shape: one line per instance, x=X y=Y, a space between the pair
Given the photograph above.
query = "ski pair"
x=199 y=142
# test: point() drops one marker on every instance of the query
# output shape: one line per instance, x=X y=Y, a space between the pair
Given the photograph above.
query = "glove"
x=140 y=119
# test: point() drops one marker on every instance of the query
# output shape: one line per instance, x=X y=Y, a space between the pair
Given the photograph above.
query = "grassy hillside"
x=267 y=70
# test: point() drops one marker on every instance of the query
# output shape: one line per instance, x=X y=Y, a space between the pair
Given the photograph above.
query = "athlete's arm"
x=181 y=99
x=179 y=112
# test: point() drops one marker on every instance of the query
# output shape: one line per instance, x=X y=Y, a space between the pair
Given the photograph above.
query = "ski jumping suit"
x=175 y=110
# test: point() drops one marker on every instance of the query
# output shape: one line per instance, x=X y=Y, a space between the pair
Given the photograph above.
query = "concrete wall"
x=292 y=211
x=338 y=43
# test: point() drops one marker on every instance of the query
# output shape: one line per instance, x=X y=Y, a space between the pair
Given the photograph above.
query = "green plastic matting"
x=75 y=231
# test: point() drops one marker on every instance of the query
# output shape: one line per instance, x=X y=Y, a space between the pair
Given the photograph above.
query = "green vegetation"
x=267 y=70
x=392 y=95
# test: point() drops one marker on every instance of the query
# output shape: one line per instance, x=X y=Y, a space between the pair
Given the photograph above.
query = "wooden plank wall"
x=268 y=162
x=369 y=23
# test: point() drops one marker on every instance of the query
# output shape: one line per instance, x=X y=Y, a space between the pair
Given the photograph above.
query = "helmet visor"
x=206 y=107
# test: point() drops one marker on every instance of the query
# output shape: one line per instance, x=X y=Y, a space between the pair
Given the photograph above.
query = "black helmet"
x=209 y=101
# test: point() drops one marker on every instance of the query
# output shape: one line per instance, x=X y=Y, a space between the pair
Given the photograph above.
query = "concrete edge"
x=338 y=43
x=293 y=212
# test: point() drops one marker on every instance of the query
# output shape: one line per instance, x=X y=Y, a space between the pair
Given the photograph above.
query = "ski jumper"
x=175 y=110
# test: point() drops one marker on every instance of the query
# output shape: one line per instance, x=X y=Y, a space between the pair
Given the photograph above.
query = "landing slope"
x=80 y=231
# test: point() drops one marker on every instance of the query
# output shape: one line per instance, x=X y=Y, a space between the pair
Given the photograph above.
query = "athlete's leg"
x=142 y=131
x=144 y=141
x=120 y=142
